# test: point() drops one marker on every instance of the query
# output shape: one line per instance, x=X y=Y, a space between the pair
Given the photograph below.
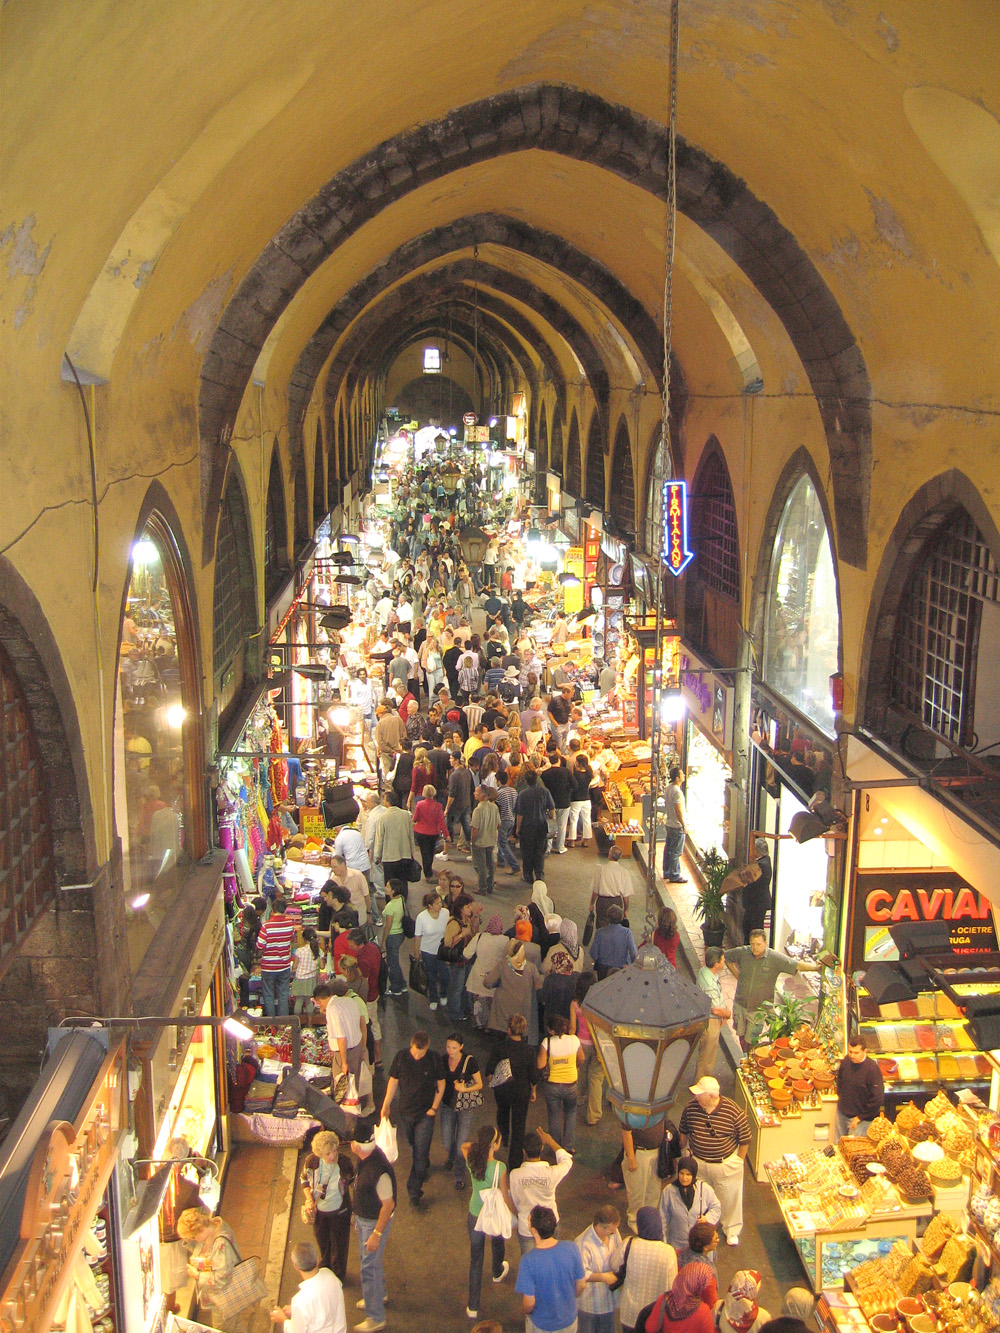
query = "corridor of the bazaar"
x=499 y=604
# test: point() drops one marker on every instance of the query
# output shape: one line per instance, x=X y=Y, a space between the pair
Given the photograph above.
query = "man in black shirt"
x=860 y=1090
x=327 y=906
x=534 y=805
x=559 y=709
x=559 y=781
x=458 y=808
x=373 y=1202
x=418 y=1075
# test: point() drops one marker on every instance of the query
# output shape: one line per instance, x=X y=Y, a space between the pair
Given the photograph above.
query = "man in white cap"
x=715 y=1131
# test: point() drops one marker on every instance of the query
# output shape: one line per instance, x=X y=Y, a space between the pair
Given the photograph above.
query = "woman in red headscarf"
x=686 y=1307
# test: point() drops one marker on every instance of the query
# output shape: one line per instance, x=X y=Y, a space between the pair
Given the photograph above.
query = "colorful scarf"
x=494 y=926
x=688 y=1290
x=561 y=963
x=569 y=936
x=740 y=1302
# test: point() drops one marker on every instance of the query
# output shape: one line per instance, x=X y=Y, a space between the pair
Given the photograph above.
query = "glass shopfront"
x=706 y=793
x=803 y=624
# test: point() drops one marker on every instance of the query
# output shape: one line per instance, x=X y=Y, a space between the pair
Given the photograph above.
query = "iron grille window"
x=595 y=468
x=653 y=520
x=937 y=630
x=573 y=461
x=717 y=542
x=27 y=873
x=622 y=503
x=233 y=597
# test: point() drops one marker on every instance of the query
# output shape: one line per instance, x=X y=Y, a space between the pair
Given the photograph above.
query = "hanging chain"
x=663 y=471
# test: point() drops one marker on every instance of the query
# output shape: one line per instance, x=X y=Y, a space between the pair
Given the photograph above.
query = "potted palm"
x=710 y=907
x=784 y=1016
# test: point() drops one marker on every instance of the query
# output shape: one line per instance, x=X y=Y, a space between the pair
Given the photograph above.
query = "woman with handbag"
x=214 y=1257
x=646 y=1266
x=559 y=1059
x=686 y=1201
x=451 y=953
x=327 y=1204
x=487 y=1173
x=514 y=1082
x=463 y=1095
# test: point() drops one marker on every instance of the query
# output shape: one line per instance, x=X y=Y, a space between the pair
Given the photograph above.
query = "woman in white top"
x=651 y=1266
x=429 y=931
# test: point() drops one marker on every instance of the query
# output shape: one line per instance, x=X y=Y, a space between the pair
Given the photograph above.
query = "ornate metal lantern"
x=645 y=1021
x=473 y=542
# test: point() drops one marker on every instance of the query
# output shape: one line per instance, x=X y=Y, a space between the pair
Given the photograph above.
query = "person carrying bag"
x=490 y=1213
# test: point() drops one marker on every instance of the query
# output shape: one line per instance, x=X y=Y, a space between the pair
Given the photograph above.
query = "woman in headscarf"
x=799 y=1304
x=558 y=986
x=484 y=951
x=738 y=1311
x=685 y=1201
x=650 y=1266
x=513 y=982
x=686 y=1307
x=539 y=908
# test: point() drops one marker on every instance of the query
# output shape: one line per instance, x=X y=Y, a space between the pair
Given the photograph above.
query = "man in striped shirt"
x=274 y=944
x=715 y=1131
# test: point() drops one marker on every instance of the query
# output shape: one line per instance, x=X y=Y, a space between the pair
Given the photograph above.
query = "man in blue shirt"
x=613 y=946
x=550 y=1278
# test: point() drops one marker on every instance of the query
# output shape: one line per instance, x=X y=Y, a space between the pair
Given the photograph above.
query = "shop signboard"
x=676 y=553
x=573 y=592
x=710 y=701
x=312 y=823
x=886 y=898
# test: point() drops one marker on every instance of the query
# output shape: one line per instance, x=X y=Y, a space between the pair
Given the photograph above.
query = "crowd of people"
x=482 y=761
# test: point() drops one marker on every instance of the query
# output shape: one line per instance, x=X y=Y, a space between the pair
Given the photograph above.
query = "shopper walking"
x=484 y=951
x=395 y=847
x=559 y=781
x=506 y=798
x=532 y=809
x=458 y=808
x=593 y=1074
x=374 y=1205
x=534 y=1182
x=717 y=1134
x=485 y=831
x=429 y=825
x=559 y=1059
x=685 y=1201
x=513 y=1082
x=579 y=828
x=429 y=931
x=613 y=946
x=610 y=886
x=650 y=1266
x=550 y=1278
x=392 y=934
x=463 y=1096
x=418 y=1074
x=486 y=1173
x=709 y=981
x=274 y=944
x=514 y=983
x=641 y=1146
x=325 y=1184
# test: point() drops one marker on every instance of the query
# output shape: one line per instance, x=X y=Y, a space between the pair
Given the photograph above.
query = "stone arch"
x=574 y=479
x=596 y=488
x=621 y=506
x=584 y=126
x=303 y=516
x=919 y=522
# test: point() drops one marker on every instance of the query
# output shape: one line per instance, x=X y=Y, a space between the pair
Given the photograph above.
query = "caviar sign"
x=886 y=898
x=676 y=554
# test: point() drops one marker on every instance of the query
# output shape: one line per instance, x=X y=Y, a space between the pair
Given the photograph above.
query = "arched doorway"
x=160 y=809
x=622 y=503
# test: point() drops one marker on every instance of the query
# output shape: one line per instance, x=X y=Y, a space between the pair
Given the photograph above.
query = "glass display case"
x=192 y=1112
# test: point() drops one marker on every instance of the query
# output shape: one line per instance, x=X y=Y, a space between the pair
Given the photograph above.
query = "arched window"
x=275 y=531
x=27 y=869
x=948 y=621
x=573 y=471
x=319 y=481
x=234 y=600
x=159 y=754
x=802 y=634
x=713 y=527
x=622 y=503
x=542 y=450
x=556 y=448
x=652 y=523
x=303 y=525
x=595 y=463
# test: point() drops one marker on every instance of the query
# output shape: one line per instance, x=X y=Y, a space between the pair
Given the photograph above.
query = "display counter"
x=773 y=1133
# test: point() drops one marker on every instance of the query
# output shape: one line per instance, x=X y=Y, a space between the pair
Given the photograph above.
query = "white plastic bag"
x=494 y=1217
x=351 y=1103
x=385 y=1138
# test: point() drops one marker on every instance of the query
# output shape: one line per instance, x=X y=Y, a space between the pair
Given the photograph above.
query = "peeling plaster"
x=888 y=34
x=24 y=261
x=889 y=226
x=202 y=315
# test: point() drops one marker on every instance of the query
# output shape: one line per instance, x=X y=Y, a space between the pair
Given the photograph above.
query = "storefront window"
x=803 y=626
x=149 y=757
x=705 y=792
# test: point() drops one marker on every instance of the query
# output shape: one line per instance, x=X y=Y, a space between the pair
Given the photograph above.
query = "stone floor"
x=426 y=1262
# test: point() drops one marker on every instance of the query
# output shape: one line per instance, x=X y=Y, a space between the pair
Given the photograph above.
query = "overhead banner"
x=676 y=553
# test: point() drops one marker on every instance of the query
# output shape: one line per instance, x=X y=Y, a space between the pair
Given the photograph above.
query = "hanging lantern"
x=645 y=1021
x=449 y=477
x=473 y=542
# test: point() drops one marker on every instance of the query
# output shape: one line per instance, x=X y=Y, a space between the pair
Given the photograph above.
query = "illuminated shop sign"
x=675 y=527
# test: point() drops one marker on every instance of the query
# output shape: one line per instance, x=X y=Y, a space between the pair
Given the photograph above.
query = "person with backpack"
x=394 y=918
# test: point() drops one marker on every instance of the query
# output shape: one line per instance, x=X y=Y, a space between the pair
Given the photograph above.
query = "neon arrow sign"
x=676 y=554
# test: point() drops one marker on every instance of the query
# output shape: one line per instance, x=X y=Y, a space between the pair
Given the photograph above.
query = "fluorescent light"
x=672 y=706
x=139 y=902
x=145 y=553
x=340 y=717
x=237 y=1029
x=176 y=714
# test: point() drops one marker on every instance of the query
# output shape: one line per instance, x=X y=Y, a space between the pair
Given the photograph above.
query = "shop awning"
x=65 y=1084
x=956 y=842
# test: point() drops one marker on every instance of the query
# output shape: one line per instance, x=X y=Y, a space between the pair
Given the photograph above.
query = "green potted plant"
x=783 y=1016
x=710 y=907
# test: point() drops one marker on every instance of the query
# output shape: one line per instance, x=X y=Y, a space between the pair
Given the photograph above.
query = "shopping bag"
x=351 y=1102
x=502 y=1073
x=415 y=871
x=418 y=975
x=494 y=1215
x=245 y=1288
x=588 y=928
x=385 y=1138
